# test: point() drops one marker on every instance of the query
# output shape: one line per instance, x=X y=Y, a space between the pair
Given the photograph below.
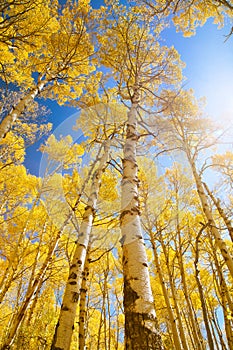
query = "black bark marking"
x=53 y=346
x=133 y=211
x=75 y=297
x=125 y=212
x=72 y=283
x=138 y=335
x=73 y=266
x=82 y=245
x=72 y=275
x=130 y=296
x=122 y=240
x=65 y=308
x=79 y=261
x=145 y=264
x=88 y=207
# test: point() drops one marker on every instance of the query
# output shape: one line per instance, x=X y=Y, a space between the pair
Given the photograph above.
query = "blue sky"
x=209 y=71
x=209 y=66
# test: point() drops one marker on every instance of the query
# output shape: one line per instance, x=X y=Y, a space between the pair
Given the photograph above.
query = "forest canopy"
x=124 y=237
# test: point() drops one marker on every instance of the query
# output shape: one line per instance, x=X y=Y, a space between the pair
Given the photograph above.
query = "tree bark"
x=65 y=324
x=172 y=319
x=32 y=289
x=219 y=241
x=18 y=109
x=196 y=334
x=221 y=211
x=141 y=328
x=174 y=297
x=202 y=297
x=82 y=304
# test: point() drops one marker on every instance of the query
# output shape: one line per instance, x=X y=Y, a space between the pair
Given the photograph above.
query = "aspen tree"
x=59 y=65
x=204 y=307
x=145 y=192
x=82 y=303
x=188 y=130
x=222 y=290
x=65 y=324
x=221 y=211
x=16 y=30
x=36 y=282
x=139 y=66
x=187 y=15
x=173 y=290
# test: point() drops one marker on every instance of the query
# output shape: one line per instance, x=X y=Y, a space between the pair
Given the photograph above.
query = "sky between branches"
x=209 y=71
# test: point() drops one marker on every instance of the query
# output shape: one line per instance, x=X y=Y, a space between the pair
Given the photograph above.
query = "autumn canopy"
x=123 y=239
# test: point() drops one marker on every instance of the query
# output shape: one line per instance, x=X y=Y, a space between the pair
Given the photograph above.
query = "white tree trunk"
x=171 y=315
x=141 y=329
x=19 y=108
x=65 y=325
x=30 y=292
x=213 y=227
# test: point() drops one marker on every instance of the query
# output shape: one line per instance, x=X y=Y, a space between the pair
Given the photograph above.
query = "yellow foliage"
x=12 y=148
x=108 y=190
x=63 y=151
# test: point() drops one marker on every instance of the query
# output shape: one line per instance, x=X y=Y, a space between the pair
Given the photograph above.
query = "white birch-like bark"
x=223 y=215
x=197 y=336
x=11 y=270
x=65 y=325
x=172 y=318
x=82 y=304
x=183 y=337
x=141 y=328
x=202 y=296
x=213 y=227
x=32 y=290
x=19 y=108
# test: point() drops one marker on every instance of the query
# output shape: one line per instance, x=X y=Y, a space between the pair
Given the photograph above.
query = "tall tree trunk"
x=197 y=336
x=32 y=289
x=220 y=282
x=224 y=294
x=10 y=273
x=218 y=329
x=101 y=319
x=172 y=318
x=19 y=108
x=82 y=303
x=228 y=324
x=188 y=327
x=213 y=227
x=216 y=202
x=141 y=327
x=65 y=324
x=215 y=336
x=174 y=296
x=202 y=297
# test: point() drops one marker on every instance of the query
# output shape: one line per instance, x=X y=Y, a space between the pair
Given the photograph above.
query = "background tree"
x=56 y=64
x=187 y=15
